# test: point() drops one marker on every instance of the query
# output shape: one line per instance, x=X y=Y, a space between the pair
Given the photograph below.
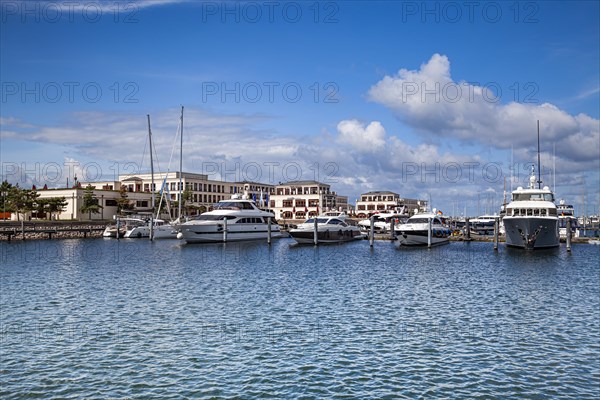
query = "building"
x=141 y=202
x=201 y=193
x=385 y=201
x=298 y=200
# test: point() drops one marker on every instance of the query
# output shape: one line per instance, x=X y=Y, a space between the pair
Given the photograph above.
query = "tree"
x=90 y=202
x=22 y=200
x=56 y=205
x=5 y=190
x=123 y=202
x=187 y=197
x=41 y=207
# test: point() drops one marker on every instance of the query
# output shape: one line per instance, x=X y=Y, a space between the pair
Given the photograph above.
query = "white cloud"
x=368 y=139
x=431 y=102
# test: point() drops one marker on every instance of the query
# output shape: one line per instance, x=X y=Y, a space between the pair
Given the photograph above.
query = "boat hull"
x=214 y=234
x=531 y=232
x=420 y=238
x=306 y=236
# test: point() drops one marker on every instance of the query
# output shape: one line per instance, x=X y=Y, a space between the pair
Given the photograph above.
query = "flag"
x=261 y=198
x=254 y=197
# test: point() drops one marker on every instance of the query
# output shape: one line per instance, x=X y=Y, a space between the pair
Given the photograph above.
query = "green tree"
x=90 y=202
x=56 y=205
x=22 y=201
x=5 y=191
x=41 y=206
x=123 y=202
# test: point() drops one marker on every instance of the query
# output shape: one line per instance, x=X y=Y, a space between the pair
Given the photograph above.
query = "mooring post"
x=496 y=232
x=392 y=228
x=429 y=233
x=568 y=234
x=372 y=231
x=22 y=230
x=269 y=231
x=225 y=230
x=316 y=232
x=468 y=228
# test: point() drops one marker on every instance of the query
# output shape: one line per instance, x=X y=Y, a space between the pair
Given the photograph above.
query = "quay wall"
x=28 y=230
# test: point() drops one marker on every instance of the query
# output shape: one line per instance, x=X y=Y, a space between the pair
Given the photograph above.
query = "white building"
x=298 y=200
x=203 y=192
x=141 y=202
x=385 y=201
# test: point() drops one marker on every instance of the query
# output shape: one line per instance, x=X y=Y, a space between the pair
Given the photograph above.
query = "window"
x=111 y=203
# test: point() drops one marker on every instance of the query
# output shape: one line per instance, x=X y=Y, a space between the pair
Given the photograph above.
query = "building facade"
x=298 y=200
x=199 y=192
x=386 y=201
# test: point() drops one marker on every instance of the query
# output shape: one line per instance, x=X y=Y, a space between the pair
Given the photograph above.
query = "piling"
x=569 y=233
x=468 y=228
x=225 y=230
x=372 y=231
x=429 y=234
x=269 y=230
x=392 y=229
x=496 y=232
x=316 y=231
x=118 y=228
x=22 y=230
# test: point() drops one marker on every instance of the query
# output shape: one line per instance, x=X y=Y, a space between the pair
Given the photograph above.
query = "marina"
x=103 y=318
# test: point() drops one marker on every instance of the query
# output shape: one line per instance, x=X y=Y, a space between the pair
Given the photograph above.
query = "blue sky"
x=425 y=99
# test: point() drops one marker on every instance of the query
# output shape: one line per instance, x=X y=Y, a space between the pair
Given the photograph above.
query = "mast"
x=152 y=181
x=539 y=169
x=180 y=168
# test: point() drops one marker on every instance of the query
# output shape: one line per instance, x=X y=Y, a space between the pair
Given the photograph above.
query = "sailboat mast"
x=539 y=170
x=180 y=203
x=151 y=180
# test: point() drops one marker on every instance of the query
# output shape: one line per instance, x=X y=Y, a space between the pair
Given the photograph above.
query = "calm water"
x=130 y=319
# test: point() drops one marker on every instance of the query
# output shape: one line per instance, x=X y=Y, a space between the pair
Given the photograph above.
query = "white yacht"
x=382 y=222
x=483 y=224
x=566 y=212
x=531 y=220
x=162 y=230
x=125 y=224
x=332 y=227
x=230 y=220
x=415 y=232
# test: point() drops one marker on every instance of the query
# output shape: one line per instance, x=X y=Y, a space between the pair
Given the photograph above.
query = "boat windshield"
x=233 y=205
x=209 y=217
x=418 y=221
x=533 y=197
x=319 y=221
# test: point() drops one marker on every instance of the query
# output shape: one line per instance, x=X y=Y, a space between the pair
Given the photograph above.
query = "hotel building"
x=298 y=200
x=385 y=201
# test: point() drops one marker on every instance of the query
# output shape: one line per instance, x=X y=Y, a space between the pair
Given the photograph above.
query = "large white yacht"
x=332 y=227
x=230 y=220
x=531 y=220
x=415 y=232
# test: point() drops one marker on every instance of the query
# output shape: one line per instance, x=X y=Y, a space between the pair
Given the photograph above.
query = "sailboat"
x=531 y=220
x=169 y=231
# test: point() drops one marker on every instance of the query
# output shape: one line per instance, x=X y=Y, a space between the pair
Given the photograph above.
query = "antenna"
x=539 y=169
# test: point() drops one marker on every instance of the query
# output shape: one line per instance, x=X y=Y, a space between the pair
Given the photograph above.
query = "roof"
x=379 y=192
x=295 y=183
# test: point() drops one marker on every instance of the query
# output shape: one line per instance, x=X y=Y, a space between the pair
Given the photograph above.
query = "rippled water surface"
x=132 y=319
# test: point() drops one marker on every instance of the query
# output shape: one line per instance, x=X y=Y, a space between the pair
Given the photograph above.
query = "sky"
x=431 y=100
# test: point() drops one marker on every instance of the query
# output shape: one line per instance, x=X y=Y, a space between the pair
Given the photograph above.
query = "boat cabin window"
x=533 y=197
x=552 y=212
x=543 y=213
x=253 y=220
x=205 y=217
x=418 y=221
x=233 y=205
x=335 y=221
x=319 y=221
